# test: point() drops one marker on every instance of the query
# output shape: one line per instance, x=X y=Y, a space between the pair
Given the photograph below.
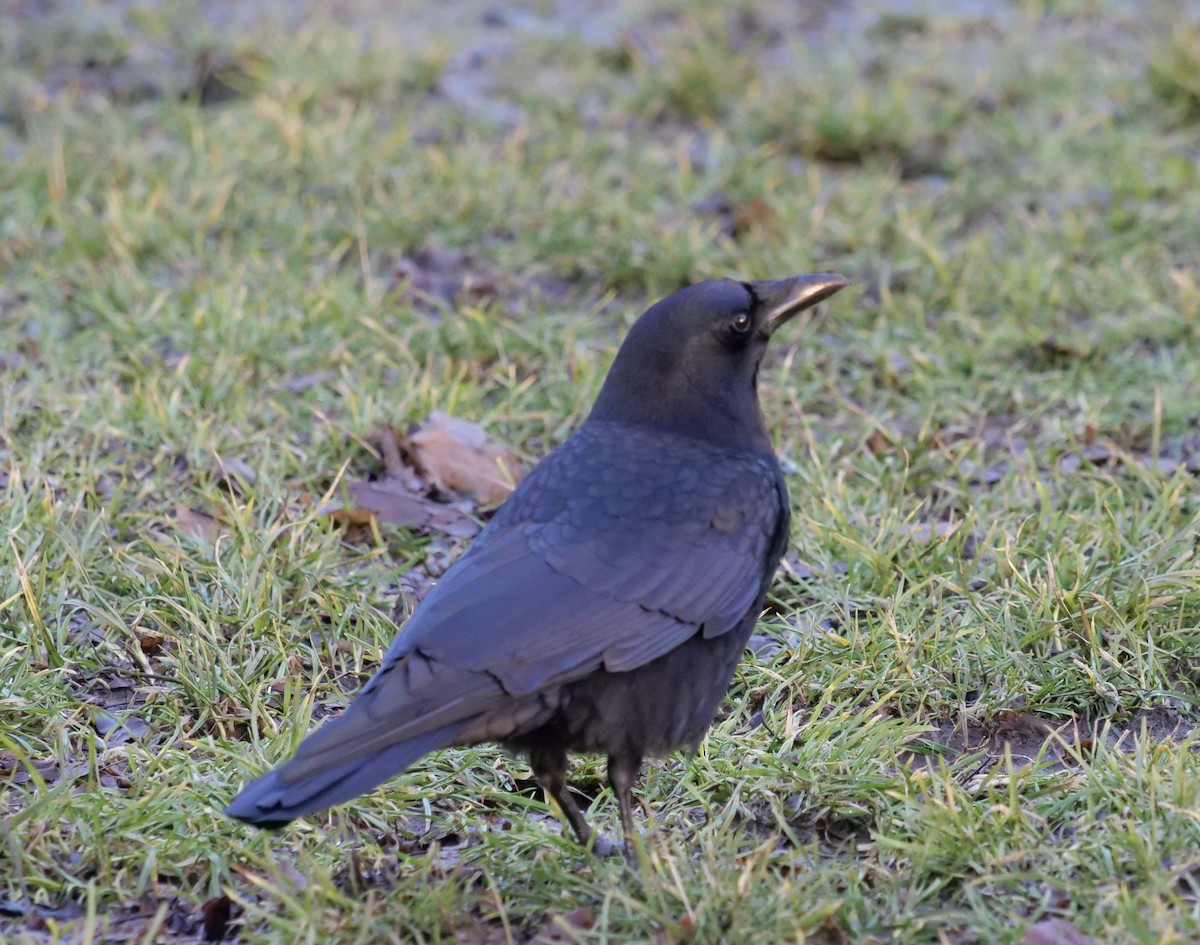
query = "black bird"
x=606 y=604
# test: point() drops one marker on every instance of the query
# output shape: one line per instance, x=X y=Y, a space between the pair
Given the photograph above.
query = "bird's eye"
x=741 y=322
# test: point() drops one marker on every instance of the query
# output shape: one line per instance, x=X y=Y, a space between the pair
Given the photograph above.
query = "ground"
x=246 y=252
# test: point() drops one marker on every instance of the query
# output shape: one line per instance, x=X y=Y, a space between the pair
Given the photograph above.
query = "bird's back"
x=661 y=507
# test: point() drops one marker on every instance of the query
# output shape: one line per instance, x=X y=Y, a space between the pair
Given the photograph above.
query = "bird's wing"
x=609 y=579
x=533 y=605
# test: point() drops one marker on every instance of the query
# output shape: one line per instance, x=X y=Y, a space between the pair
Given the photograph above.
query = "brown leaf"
x=216 y=913
x=220 y=78
x=393 y=462
x=118 y=730
x=457 y=454
x=559 y=928
x=580 y=918
x=392 y=504
x=397 y=498
x=234 y=475
x=735 y=219
x=1070 y=463
x=435 y=277
x=928 y=531
x=1099 y=453
x=1054 y=932
x=1056 y=348
x=149 y=642
x=197 y=525
x=880 y=443
x=50 y=770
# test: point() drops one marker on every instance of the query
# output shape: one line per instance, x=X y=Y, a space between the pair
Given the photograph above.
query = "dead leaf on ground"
x=50 y=770
x=216 y=913
x=926 y=532
x=391 y=503
x=458 y=455
x=234 y=475
x=1107 y=453
x=149 y=641
x=117 y=730
x=482 y=935
x=220 y=78
x=112 y=691
x=1054 y=348
x=881 y=442
x=1055 y=932
x=197 y=525
x=453 y=455
x=736 y=218
x=435 y=278
x=561 y=928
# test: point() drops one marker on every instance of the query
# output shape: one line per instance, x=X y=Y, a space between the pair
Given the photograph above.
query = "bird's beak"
x=780 y=299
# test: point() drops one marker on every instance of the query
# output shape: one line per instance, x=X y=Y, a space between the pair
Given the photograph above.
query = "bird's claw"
x=604 y=847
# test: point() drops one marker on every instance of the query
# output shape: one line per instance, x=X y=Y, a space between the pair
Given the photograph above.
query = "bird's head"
x=689 y=365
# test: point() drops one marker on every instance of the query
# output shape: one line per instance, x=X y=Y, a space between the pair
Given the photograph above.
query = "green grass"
x=994 y=516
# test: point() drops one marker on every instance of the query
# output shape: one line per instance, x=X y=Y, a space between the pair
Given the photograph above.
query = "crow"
x=606 y=604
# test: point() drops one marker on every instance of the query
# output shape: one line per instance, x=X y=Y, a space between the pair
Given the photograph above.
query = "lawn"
x=244 y=251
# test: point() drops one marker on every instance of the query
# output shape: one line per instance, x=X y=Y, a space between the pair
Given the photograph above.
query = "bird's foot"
x=604 y=847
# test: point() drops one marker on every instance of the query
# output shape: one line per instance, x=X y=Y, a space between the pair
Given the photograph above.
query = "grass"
x=981 y=712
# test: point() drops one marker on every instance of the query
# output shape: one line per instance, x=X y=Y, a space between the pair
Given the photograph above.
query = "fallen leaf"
x=393 y=462
x=23 y=909
x=926 y=532
x=436 y=278
x=234 y=475
x=1057 y=349
x=216 y=913
x=1054 y=932
x=879 y=443
x=735 y=219
x=458 y=455
x=398 y=498
x=580 y=918
x=197 y=525
x=50 y=770
x=1167 y=465
x=149 y=642
x=1070 y=463
x=112 y=691
x=392 y=504
x=561 y=928
x=1099 y=453
x=220 y=78
x=117 y=730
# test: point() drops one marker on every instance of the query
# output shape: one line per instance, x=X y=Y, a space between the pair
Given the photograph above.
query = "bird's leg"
x=550 y=771
x=622 y=773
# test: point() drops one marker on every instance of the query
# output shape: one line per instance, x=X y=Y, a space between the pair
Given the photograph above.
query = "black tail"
x=273 y=800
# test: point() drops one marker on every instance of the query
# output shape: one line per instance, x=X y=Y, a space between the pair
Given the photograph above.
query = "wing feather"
x=557 y=587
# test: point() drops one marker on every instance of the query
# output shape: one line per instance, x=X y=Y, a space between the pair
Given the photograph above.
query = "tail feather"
x=273 y=799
